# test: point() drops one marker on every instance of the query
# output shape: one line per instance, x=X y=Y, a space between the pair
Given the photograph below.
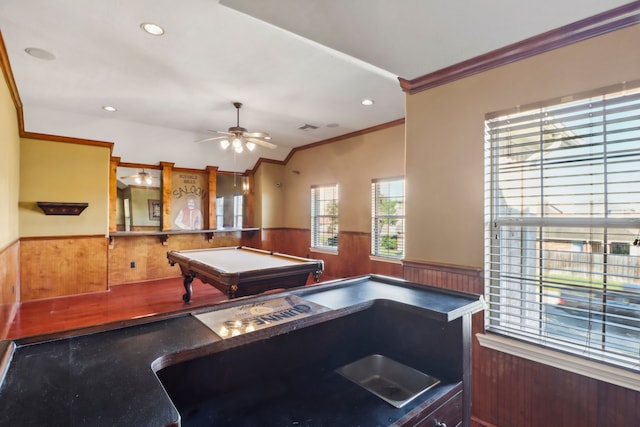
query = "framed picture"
x=155 y=210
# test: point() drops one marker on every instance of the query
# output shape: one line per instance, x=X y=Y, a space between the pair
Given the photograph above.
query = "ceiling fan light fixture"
x=225 y=144
x=238 y=149
x=250 y=146
x=237 y=143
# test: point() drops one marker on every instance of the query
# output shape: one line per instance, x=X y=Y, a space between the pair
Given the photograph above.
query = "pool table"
x=239 y=271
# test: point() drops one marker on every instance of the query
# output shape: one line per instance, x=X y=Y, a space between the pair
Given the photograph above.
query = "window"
x=562 y=207
x=237 y=210
x=387 y=217
x=220 y=212
x=324 y=217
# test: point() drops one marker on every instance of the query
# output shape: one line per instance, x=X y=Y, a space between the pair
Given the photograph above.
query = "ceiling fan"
x=141 y=177
x=238 y=137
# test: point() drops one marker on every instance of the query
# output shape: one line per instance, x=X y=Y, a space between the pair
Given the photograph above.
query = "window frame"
x=499 y=296
x=219 y=212
x=391 y=219
x=238 y=210
x=325 y=209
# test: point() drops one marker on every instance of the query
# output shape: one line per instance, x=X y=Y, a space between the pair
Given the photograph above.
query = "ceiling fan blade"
x=262 y=143
x=256 y=135
x=221 y=132
x=211 y=139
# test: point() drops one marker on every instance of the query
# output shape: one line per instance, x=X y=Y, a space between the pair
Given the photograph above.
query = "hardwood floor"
x=121 y=302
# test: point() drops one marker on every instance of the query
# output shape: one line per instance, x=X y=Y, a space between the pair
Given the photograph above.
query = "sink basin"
x=391 y=381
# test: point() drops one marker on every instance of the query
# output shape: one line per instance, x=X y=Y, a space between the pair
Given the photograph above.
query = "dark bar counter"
x=280 y=370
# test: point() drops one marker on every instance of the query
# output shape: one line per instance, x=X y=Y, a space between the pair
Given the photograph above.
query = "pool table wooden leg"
x=188 y=278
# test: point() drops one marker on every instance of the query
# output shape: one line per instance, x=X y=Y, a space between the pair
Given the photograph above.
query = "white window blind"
x=387 y=217
x=324 y=217
x=563 y=225
x=237 y=210
x=219 y=212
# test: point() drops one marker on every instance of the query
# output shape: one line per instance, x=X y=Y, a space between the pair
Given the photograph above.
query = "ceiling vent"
x=308 y=127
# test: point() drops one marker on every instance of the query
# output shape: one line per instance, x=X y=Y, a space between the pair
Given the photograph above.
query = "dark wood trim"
x=262 y=160
x=136 y=165
x=5 y=64
x=346 y=136
x=66 y=139
x=597 y=25
x=328 y=141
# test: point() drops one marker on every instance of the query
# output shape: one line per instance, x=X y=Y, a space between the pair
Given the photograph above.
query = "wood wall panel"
x=9 y=278
x=353 y=258
x=150 y=255
x=57 y=266
x=510 y=391
x=9 y=285
x=464 y=279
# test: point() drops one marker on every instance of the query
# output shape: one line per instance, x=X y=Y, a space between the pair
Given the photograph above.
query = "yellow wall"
x=269 y=197
x=351 y=163
x=9 y=168
x=63 y=172
x=445 y=137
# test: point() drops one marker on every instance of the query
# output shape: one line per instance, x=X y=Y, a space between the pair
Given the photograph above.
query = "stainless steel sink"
x=391 y=381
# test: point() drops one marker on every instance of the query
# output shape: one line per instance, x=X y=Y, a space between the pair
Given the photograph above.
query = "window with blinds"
x=387 y=217
x=563 y=225
x=324 y=217
x=237 y=210
x=219 y=212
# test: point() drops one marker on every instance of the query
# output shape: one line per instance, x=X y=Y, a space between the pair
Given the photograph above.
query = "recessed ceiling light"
x=367 y=102
x=151 y=28
x=109 y=108
x=40 y=53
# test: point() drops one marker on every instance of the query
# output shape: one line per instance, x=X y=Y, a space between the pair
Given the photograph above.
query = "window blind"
x=562 y=215
x=387 y=217
x=219 y=212
x=237 y=210
x=324 y=217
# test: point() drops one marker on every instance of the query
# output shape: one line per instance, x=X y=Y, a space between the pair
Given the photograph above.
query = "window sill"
x=567 y=362
x=323 y=251
x=385 y=259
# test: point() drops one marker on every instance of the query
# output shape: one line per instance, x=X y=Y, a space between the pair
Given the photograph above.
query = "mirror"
x=231 y=200
x=138 y=200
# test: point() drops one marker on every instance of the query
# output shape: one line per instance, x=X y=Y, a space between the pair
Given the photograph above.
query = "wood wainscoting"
x=9 y=278
x=352 y=259
x=9 y=284
x=508 y=391
x=65 y=265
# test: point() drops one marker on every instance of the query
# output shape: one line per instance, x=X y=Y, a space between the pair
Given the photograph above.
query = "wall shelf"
x=62 y=208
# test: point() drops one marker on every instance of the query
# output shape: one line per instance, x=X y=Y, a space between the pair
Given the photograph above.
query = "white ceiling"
x=290 y=62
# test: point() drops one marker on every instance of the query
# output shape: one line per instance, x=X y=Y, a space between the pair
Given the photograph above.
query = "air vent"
x=308 y=127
